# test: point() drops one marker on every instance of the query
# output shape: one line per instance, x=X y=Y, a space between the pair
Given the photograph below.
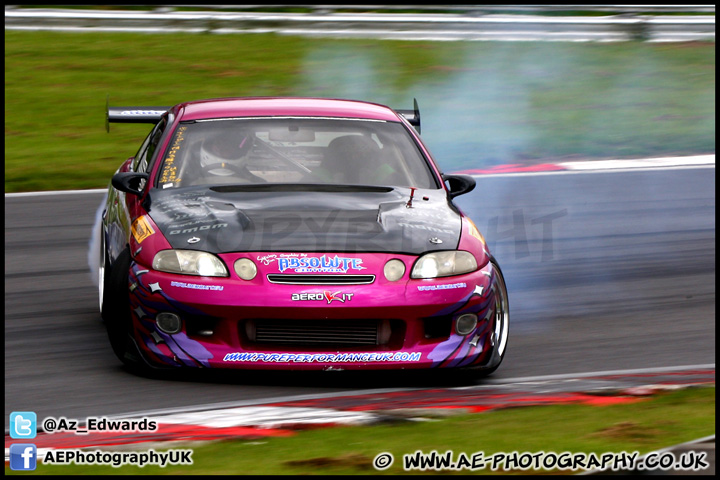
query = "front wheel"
x=501 y=327
x=103 y=277
x=116 y=312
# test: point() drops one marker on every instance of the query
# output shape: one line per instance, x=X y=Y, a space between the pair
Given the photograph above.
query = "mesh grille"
x=321 y=279
x=315 y=332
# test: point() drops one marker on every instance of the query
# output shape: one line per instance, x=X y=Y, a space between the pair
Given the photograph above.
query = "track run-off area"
x=611 y=276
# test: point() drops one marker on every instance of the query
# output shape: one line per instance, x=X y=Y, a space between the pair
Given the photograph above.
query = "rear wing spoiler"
x=153 y=115
x=133 y=115
x=412 y=116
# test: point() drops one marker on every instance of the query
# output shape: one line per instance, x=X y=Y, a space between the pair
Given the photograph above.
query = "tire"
x=501 y=327
x=103 y=278
x=116 y=313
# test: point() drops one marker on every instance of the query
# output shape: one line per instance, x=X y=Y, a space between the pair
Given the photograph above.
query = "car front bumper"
x=257 y=324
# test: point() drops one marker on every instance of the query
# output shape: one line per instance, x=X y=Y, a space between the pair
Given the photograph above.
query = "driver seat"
x=350 y=158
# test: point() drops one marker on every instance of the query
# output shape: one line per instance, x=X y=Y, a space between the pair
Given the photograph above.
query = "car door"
x=124 y=208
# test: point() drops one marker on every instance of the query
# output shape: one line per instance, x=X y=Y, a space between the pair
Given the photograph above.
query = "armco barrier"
x=420 y=26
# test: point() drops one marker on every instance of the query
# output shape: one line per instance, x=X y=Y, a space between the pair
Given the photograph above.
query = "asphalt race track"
x=606 y=271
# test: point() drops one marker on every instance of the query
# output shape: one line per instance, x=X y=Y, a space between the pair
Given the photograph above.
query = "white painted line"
x=267 y=417
x=617 y=166
x=662 y=162
x=581 y=172
x=606 y=373
x=205 y=408
x=54 y=192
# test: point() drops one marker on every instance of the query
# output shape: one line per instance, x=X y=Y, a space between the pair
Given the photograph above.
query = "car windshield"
x=296 y=151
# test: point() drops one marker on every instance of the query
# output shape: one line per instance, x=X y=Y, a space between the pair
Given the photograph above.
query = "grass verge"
x=482 y=103
x=651 y=423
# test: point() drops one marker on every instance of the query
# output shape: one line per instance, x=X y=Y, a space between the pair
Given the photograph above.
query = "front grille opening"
x=200 y=326
x=437 y=327
x=291 y=279
x=323 y=333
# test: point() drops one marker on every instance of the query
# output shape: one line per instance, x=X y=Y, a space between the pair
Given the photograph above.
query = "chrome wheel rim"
x=502 y=313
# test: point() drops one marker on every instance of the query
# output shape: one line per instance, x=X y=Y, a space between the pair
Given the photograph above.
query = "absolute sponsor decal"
x=322 y=357
x=447 y=286
x=324 y=296
x=322 y=264
x=268 y=259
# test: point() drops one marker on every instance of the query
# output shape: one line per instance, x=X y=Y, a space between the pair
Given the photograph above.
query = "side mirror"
x=459 y=184
x=130 y=182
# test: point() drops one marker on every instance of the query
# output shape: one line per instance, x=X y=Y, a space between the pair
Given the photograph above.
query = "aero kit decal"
x=141 y=229
x=326 y=295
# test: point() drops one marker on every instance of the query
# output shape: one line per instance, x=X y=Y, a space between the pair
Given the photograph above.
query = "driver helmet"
x=224 y=147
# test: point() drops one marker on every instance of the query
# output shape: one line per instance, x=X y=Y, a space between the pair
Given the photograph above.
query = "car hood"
x=308 y=218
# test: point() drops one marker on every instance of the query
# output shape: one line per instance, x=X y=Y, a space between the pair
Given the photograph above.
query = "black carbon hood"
x=306 y=218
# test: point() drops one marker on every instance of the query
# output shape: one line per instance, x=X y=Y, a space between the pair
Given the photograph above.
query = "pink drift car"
x=294 y=234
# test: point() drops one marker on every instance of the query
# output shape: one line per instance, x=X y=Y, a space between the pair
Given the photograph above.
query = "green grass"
x=661 y=421
x=482 y=103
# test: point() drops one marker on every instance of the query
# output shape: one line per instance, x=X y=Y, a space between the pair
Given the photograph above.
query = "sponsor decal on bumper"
x=322 y=357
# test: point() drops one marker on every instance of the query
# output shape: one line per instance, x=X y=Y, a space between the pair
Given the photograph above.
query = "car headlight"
x=394 y=270
x=444 y=264
x=189 y=262
x=245 y=269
